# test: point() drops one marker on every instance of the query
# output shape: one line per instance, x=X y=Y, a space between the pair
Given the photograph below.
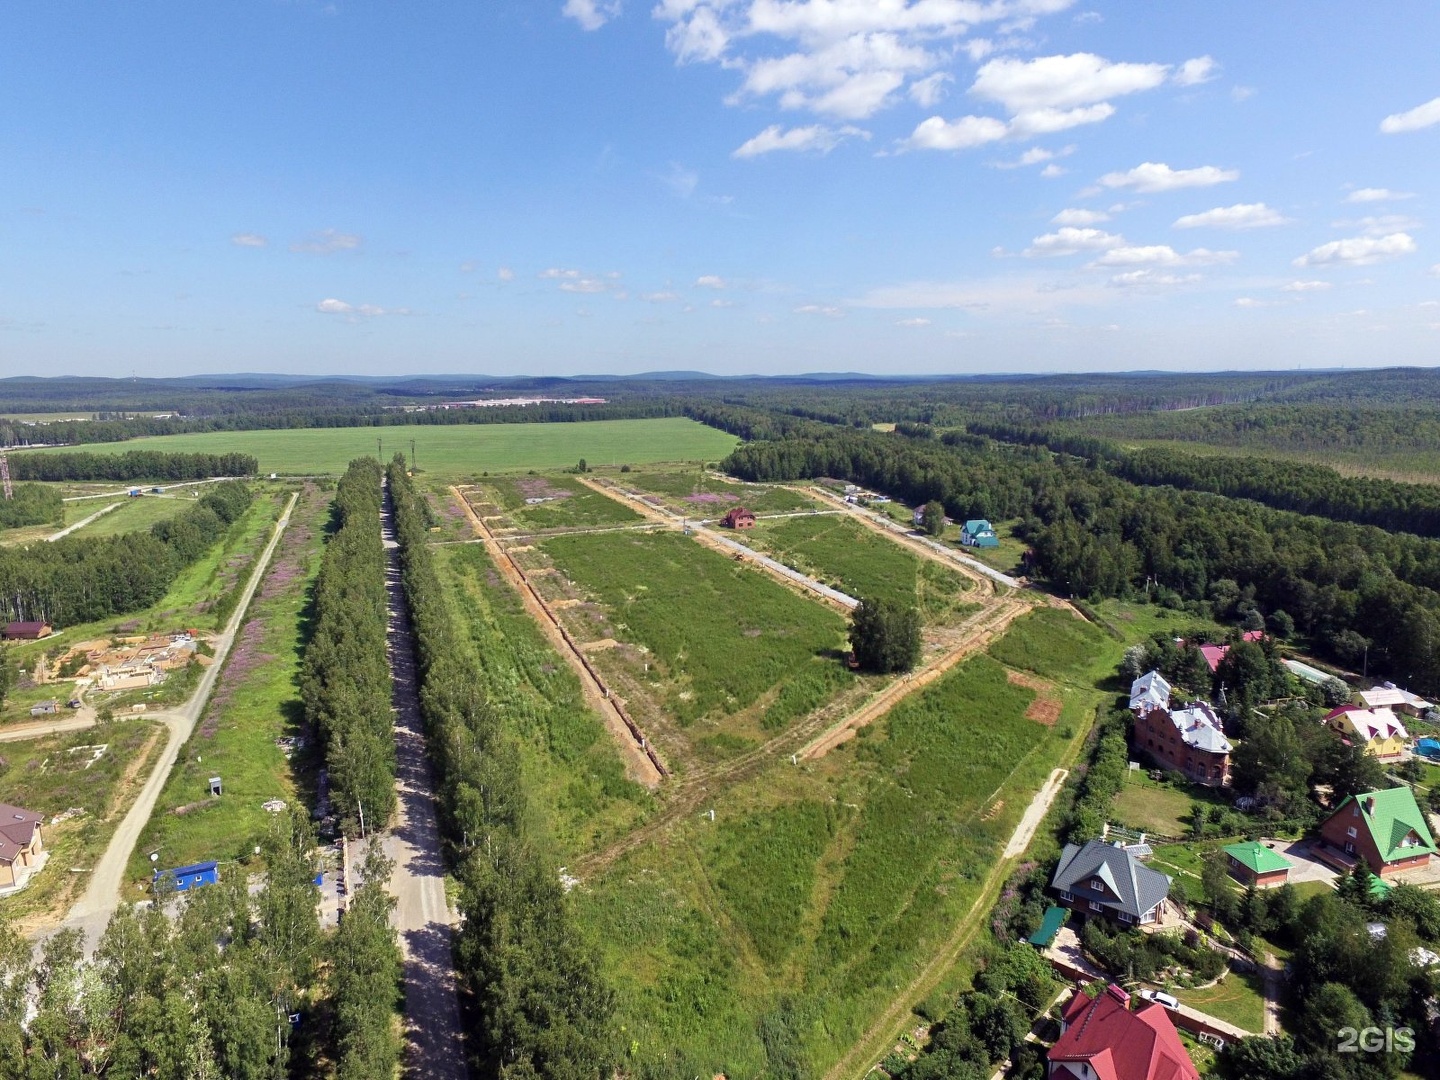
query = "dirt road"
x=102 y=896
x=434 y=1045
x=81 y=523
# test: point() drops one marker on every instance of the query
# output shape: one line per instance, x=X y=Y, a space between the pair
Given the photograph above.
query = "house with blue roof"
x=979 y=533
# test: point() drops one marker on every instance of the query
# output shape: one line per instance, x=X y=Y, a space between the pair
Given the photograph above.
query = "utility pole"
x=380 y=450
x=5 y=475
x=413 y=467
x=360 y=806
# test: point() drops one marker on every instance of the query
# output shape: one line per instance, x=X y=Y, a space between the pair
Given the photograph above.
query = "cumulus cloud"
x=1305 y=286
x=591 y=14
x=1194 y=72
x=916 y=323
x=1381 y=224
x=327 y=242
x=819 y=309
x=1252 y=302
x=1072 y=241
x=937 y=133
x=1358 y=251
x=928 y=91
x=249 y=240
x=1062 y=82
x=1239 y=216
x=505 y=274
x=332 y=306
x=816 y=138
x=1079 y=217
x=1162 y=255
x=1422 y=116
x=1152 y=177
x=1377 y=194
x=710 y=281
x=1051 y=171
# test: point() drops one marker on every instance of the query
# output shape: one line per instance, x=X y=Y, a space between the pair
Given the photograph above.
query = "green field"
x=579 y=791
x=255 y=702
x=569 y=504
x=844 y=554
x=701 y=494
x=706 y=638
x=1057 y=644
x=1238 y=999
x=454 y=449
x=773 y=936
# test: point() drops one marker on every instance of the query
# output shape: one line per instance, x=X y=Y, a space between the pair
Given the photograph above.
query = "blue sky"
x=735 y=186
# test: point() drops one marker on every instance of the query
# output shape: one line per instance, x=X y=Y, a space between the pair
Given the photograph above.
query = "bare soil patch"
x=1045 y=709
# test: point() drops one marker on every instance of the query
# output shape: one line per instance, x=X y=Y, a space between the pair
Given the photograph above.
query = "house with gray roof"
x=1105 y=879
x=1150 y=691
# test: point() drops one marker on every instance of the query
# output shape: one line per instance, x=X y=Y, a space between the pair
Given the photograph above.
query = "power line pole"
x=5 y=475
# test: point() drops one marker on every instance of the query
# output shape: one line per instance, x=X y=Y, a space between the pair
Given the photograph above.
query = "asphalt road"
x=434 y=1047
x=102 y=896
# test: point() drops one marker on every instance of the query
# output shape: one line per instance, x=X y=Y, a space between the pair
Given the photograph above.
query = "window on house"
x=1065 y=895
x=1095 y=905
x=1097 y=885
x=1350 y=831
x=1349 y=848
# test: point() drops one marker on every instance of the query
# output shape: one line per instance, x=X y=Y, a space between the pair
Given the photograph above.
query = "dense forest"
x=539 y=1008
x=131 y=465
x=346 y=679
x=33 y=504
x=81 y=579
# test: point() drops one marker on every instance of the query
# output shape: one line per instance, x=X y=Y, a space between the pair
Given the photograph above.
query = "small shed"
x=1428 y=749
x=1252 y=863
x=45 y=708
x=739 y=518
x=1049 y=927
x=25 y=631
x=190 y=877
x=979 y=533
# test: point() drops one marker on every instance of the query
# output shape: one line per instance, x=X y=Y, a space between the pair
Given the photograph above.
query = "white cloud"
x=1134 y=279
x=575 y=281
x=916 y=323
x=557 y=274
x=928 y=91
x=1381 y=224
x=665 y=297
x=327 y=242
x=1072 y=241
x=1035 y=122
x=505 y=274
x=1377 y=194
x=1239 y=216
x=1252 y=302
x=722 y=303
x=819 y=309
x=1194 y=72
x=249 y=240
x=1062 y=82
x=937 y=133
x=1162 y=255
x=586 y=285
x=710 y=281
x=1422 y=116
x=1079 y=217
x=1051 y=171
x=1358 y=251
x=332 y=306
x=816 y=138
x=1306 y=286
x=681 y=181
x=1152 y=177
x=591 y=14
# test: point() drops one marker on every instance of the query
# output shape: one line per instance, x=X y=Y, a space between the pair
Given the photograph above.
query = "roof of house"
x=186 y=871
x=1391 y=816
x=1201 y=728
x=26 y=627
x=1150 y=689
x=976 y=525
x=1122 y=1045
x=1388 y=694
x=17 y=830
x=1136 y=887
x=1258 y=857
x=1049 y=927
x=1214 y=654
x=1370 y=723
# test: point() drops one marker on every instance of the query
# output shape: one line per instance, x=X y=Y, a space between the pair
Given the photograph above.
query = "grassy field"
x=255 y=702
x=45 y=776
x=570 y=504
x=720 y=647
x=1237 y=999
x=701 y=494
x=1055 y=644
x=579 y=792
x=844 y=554
x=455 y=449
x=772 y=936
x=1144 y=804
x=134 y=515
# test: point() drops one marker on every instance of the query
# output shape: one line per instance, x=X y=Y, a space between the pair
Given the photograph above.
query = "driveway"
x=1305 y=866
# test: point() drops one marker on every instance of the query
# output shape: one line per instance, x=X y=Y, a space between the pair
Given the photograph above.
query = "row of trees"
x=345 y=683
x=81 y=579
x=540 y=1007
x=33 y=504
x=131 y=465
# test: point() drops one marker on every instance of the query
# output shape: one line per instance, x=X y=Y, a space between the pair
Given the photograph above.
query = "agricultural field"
x=68 y=772
x=567 y=503
x=772 y=936
x=716 y=655
x=454 y=449
x=700 y=493
x=838 y=551
x=255 y=702
x=581 y=796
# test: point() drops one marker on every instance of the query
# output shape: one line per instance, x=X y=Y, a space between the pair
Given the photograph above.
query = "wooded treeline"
x=1354 y=590
x=131 y=465
x=81 y=579
x=537 y=1005
x=345 y=683
x=33 y=504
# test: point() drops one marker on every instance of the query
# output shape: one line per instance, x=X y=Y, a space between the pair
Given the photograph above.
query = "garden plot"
x=706 y=495
x=555 y=502
x=710 y=656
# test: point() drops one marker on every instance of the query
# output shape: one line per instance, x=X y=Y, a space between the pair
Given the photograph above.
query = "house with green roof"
x=1252 y=863
x=1386 y=829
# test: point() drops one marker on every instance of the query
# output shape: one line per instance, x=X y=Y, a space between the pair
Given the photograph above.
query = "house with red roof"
x=739 y=518
x=1101 y=1039
x=1215 y=653
x=22 y=848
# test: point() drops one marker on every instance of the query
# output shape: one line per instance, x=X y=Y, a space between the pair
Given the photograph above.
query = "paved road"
x=434 y=1047
x=102 y=896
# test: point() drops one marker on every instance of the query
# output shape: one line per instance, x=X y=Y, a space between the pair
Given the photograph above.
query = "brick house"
x=21 y=845
x=1105 y=879
x=1101 y=1039
x=1252 y=863
x=1384 y=828
x=1190 y=741
x=738 y=518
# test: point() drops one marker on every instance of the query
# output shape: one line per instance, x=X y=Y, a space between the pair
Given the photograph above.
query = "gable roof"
x=17 y=830
x=1258 y=857
x=978 y=525
x=1135 y=887
x=1119 y=1044
x=1388 y=694
x=1370 y=724
x=1391 y=816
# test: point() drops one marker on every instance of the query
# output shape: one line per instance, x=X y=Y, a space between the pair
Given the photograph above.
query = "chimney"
x=1370 y=804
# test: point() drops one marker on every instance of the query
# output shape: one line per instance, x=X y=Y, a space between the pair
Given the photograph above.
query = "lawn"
x=579 y=794
x=776 y=933
x=844 y=554
x=568 y=503
x=51 y=776
x=255 y=702
x=704 y=637
x=1238 y=999
x=454 y=449
x=1056 y=644
x=1155 y=807
x=700 y=493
